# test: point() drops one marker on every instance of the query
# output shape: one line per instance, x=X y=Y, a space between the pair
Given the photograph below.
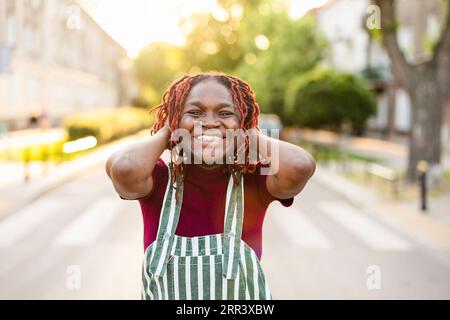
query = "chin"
x=206 y=158
x=206 y=153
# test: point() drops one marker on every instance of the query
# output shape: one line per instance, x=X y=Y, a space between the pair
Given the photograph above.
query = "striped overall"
x=213 y=267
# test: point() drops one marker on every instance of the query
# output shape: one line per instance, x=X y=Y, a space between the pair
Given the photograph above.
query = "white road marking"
x=367 y=229
x=300 y=230
x=22 y=222
x=90 y=224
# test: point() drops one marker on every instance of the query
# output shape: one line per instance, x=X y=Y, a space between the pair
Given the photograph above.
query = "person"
x=203 y=210
x=33 y=121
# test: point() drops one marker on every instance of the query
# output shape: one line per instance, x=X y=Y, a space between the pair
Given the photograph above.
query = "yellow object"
x=422 y=166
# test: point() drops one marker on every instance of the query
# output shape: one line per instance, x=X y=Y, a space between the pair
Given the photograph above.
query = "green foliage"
x=324 y=153
x=107 y=124
x=104 y=124
x=392 y=26
x=227 y=42
x=156 y=67
x=212 y=44
x=328 y=99
x=371 y=73
x=37 y=152
x=376 y=35
x=295 y=47
x=430 y=44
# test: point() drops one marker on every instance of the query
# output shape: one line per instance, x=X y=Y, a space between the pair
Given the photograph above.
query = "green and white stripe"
x=216 y=267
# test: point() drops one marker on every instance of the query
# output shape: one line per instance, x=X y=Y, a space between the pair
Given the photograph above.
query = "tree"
x=156 y=67
x=295 y=48
x=329 y=99
x=214 y=40
x=256 y=40
x=428 y=85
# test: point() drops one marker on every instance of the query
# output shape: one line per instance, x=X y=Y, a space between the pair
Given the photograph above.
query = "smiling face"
x=208 y=113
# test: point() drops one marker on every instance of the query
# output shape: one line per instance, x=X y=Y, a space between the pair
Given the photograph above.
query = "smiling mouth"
x=208 y=138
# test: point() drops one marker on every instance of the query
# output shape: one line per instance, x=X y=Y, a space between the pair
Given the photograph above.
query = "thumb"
x=167 y=124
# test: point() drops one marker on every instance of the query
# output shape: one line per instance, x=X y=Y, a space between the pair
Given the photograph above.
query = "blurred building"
x=352 y=49
x=56 y=60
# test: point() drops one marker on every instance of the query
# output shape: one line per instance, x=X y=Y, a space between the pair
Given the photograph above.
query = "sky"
x=137 y=23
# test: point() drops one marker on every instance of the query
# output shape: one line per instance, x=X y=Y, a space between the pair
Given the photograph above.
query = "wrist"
x=164 y=135
x=165 y=131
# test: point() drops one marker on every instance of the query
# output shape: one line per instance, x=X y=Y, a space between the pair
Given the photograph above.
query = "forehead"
x=210 y=92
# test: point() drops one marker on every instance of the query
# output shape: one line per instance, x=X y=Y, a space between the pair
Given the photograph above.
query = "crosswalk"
x=301 y=231
x=21 y=223
x=88 y=227
x=365 y=228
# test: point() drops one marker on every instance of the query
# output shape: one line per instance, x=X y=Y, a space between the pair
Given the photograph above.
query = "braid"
x=172 y=105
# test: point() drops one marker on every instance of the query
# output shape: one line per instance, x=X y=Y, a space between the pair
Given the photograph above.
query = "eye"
x=194 y=112
x=226 y=113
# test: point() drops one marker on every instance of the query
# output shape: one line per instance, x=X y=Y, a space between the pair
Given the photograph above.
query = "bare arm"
x=130 y=169
x=291 y=166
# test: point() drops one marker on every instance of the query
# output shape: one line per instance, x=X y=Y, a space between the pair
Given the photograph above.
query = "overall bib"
x=213 y=267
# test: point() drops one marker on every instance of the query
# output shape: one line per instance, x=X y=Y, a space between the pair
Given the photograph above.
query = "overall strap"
x=234 y=217
x=168 y=221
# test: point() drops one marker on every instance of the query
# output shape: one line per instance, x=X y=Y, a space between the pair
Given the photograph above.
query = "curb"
x=354 y=193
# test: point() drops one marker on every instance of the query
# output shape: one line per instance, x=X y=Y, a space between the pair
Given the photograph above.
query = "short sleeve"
x=265 y=195
x=158 y=174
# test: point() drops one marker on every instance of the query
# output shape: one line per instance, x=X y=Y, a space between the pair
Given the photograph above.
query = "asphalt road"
x=81 y=241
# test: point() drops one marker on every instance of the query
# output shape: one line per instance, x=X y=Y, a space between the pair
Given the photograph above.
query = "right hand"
x=168 y=131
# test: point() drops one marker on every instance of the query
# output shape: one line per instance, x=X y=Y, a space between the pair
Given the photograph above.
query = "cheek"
x=232 y=123
x=186 y=123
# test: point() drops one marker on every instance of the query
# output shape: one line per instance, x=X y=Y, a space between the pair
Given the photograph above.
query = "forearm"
x=138 y=160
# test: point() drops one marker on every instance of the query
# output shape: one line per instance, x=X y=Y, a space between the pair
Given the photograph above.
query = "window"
x=5 y=56
x=10 y=31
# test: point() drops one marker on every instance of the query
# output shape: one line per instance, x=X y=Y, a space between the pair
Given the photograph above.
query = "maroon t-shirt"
x=203 y=209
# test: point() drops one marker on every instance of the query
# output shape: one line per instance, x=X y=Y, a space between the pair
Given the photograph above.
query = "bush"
x=104 y=124
x=107 y=124
x=328 y=99
x=33 y=145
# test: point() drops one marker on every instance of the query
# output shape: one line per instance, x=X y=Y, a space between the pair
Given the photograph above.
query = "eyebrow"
x=201 y=105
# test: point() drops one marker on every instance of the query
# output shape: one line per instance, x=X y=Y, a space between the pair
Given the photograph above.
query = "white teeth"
x=207 y=138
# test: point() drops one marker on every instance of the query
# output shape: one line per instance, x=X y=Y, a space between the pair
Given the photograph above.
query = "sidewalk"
x=393 y=154
x=16 y=193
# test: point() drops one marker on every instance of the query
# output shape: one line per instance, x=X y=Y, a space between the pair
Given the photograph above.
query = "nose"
x=210 y=121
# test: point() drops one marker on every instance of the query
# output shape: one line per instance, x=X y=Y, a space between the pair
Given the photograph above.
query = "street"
x=81 y=241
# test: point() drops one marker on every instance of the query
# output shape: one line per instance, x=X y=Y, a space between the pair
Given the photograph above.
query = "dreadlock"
x=172 y=105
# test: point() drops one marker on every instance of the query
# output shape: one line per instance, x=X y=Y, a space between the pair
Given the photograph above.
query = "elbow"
x=301 y=169
x=108 y=166
x=292 y=176
x=119 y=169
x=309 y=165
